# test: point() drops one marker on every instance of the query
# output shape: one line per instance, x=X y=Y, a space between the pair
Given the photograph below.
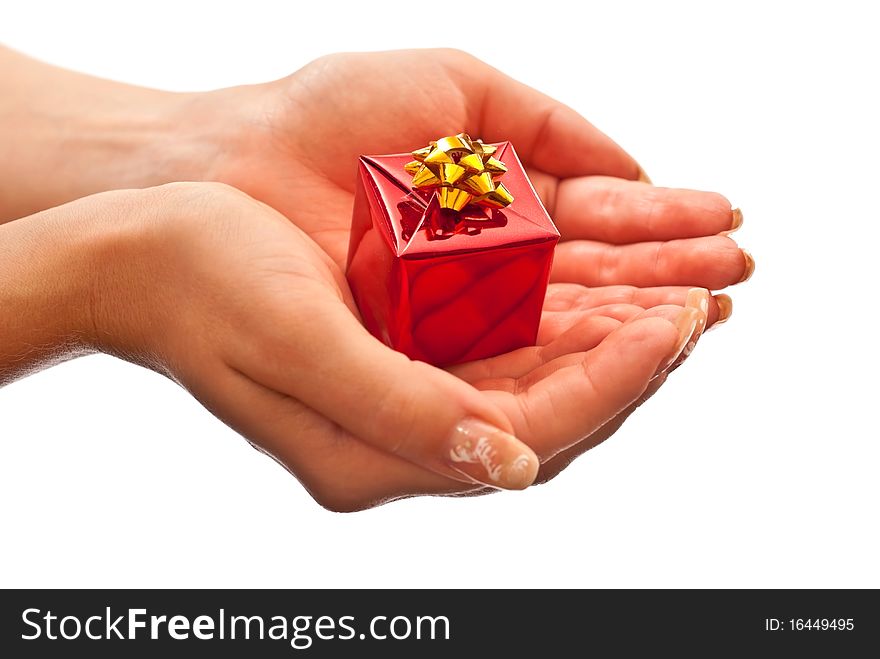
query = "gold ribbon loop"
x=462 y=171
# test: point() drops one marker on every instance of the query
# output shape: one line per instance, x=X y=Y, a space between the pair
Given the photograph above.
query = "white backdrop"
x=756 y=465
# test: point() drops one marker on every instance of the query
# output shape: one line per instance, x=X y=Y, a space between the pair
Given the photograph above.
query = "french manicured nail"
x=488 y=455
x=736 y=221
x=697 y=299
x=686 y=322
x=690 y=324
x=643 y=176
x=725 y=310
x=750 y=266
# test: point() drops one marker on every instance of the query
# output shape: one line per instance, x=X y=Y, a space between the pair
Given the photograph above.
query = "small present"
x=450 y=250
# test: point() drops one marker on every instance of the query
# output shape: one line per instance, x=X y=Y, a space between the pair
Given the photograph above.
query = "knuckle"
x=459 y=61
x=398 y=411
x=337 y=502
x=331 y=62
x=339 y=494
x=195 y=196
x=456 y=55
x=334 y=479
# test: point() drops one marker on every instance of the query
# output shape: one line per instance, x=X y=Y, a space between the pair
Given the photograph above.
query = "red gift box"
x=446 y=286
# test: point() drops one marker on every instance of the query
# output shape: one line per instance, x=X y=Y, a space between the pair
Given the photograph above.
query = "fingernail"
x=643 y=176
x=488 y=455
x=697 y=299
x=736 y=221
x=725 y=310
x=750 y=266
x=685 y=323
x=690 y=323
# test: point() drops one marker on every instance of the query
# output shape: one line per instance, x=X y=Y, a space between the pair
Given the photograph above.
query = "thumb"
x=411 y=409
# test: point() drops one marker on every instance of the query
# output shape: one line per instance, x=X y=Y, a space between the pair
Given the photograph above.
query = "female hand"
x=294 y=143
x=227 y=297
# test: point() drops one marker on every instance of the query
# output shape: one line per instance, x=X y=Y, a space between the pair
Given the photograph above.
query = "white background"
x=756 y=465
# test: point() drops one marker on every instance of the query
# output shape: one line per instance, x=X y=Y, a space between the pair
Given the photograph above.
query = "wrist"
x=148 y=262
x=146 y=138
x=131 y=246
x=68 y=135
x=136 y=138
x=46 y=276
x=76 y=279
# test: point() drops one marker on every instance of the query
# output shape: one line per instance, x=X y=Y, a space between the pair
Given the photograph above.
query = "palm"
x=308 y=173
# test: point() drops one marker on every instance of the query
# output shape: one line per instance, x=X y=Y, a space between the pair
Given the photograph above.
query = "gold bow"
x=462 y=170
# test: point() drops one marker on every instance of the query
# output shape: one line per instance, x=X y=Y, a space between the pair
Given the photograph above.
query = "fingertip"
x=722 y=263
x=724 y=305
x=711 y=212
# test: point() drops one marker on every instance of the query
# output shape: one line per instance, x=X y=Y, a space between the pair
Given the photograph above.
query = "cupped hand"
x=626 y=245
x=294 y=144
x=241 y=307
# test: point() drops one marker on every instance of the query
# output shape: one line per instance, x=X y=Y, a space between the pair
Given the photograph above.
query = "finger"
x=564 y=299
x=697 y=298
x=341 y=472
x=546 y=134
x=555 y=323
x=668 y=312
x=616 y=211
x=574 y=395
x=574 y=298
x=315 y=350
x=501 y=372
x=712 y=262
x=517 y=370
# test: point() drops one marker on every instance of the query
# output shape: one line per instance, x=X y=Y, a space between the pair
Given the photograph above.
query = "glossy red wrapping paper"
x=446 y=287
